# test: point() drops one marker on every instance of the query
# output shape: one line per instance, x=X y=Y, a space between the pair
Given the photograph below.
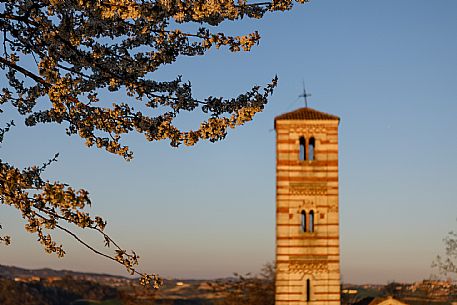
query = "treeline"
x=61 y=292
x=247 y=289
x=238 y=290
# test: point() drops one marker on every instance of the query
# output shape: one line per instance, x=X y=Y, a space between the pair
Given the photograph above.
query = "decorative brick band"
x=313 y=189
x=308 y=266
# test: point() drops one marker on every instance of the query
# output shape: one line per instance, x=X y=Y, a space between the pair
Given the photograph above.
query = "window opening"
x=302 y=156
x=303 y=221
x=311 y=221
x=308 y=290
x=312 y=146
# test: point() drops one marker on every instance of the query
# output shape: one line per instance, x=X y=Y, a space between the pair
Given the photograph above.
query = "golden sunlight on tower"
x=307 y=225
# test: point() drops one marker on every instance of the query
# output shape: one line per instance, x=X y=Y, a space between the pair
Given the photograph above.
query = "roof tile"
x=306 y=113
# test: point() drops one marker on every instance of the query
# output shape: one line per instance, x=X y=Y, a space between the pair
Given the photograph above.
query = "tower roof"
x=306 y=113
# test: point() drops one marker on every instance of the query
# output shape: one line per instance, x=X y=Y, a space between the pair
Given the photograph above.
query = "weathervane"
x=305 y=95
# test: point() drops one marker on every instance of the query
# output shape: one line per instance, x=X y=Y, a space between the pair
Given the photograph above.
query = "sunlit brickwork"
x=307 y=222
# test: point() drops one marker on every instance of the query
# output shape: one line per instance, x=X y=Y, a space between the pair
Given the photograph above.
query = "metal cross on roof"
x=305 y=95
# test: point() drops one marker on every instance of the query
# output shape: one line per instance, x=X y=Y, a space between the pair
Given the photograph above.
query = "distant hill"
x=11 y=272
x=65 y=287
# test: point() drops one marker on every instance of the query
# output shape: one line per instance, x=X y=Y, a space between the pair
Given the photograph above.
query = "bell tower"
x=307 y=222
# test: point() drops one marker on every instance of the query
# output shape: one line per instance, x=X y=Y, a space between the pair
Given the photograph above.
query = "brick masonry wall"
x=307 y=185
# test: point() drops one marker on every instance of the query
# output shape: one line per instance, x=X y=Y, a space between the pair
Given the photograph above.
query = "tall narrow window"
x=308 y=290
x=303 y=221
x=311 y=221
x=312 y=146
x=302 y=149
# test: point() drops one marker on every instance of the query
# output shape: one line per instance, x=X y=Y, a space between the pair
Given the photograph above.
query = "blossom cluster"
x=58 y=54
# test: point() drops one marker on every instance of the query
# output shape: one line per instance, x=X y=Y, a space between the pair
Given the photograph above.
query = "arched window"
x=311 y=221
x=308 y=290
x=312 y=146
x=303 y=221
x=302 y=156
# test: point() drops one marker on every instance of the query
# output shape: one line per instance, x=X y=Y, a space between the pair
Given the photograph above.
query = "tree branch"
x=24 y=71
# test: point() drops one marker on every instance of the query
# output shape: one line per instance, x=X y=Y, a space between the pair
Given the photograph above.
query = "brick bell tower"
x=307 y=225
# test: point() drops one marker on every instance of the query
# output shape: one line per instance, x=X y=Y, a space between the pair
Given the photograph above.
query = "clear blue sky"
x=387 y=68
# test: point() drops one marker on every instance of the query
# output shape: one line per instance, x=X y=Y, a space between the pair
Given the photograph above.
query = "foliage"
x=393 y=289
x=447 y=264
x=58 y=56
x=61 y=292
x=5 y=239
x=12 y=293
x=247 y=289
x=85 y=289
x=135 y=295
